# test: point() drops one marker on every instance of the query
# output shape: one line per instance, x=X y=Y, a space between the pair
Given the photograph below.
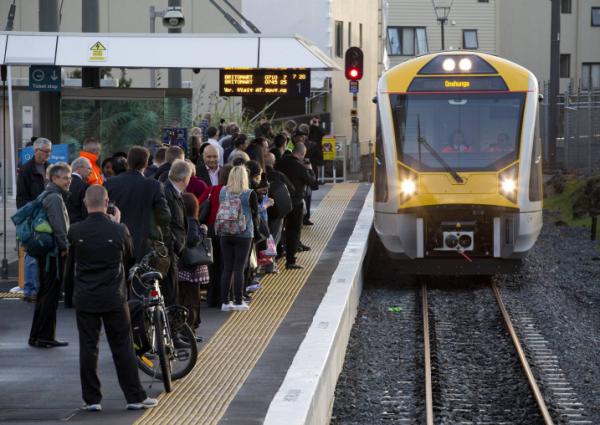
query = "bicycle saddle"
x=150 y=276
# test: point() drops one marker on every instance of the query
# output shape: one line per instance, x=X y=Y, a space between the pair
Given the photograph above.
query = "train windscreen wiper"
x=436 y=155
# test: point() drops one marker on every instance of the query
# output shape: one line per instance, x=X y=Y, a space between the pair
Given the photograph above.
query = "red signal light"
x=353 y=64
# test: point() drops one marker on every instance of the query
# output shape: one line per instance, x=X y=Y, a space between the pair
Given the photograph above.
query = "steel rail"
x=524 y=363
x=427 y=351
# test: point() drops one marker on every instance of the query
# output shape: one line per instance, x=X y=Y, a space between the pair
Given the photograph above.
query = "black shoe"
x=293 y=266
x=30 y=298
x=43 y=343
x=32 y=342
x=307 y=222
x=303 y=247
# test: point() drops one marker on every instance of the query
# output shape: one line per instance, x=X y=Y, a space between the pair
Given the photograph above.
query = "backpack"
x=230 y=216
x=33 y=230
x=283 y=201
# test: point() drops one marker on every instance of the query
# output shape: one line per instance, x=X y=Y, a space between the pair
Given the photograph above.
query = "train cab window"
x=460 y=132
x=381 y=186
x=535 y=176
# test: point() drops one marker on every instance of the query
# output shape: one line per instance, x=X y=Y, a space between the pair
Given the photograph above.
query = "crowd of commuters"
x=251 y=197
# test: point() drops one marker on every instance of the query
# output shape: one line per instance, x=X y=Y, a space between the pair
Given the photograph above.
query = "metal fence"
x=578 y=138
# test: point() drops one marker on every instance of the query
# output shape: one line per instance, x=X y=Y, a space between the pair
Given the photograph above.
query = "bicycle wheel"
x=160 y=332
x=186 y=352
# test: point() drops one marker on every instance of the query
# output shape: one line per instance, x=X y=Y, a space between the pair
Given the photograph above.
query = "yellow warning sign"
x=328 y=144
x=98 y=52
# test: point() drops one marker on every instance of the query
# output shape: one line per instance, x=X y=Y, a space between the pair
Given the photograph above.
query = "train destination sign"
x=269 y=82
x=441 y=84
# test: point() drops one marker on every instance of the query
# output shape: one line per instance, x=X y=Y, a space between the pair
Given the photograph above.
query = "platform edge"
x=307 y=392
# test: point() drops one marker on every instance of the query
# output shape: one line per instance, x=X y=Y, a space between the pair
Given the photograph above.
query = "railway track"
x=464 y=387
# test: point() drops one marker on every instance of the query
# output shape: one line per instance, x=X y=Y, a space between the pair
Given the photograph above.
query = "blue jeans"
x=32 y=281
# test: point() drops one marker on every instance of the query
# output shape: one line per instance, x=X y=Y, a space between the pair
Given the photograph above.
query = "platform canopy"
x=138 y=50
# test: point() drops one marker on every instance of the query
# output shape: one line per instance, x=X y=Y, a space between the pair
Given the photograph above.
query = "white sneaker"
x=227 y=307
x=92 y=407
x=241 y=307
x=146 y=404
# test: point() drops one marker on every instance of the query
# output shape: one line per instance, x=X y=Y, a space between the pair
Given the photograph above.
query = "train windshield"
x=458 y=131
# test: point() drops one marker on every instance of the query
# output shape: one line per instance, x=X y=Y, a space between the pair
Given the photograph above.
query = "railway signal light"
x=354 y=64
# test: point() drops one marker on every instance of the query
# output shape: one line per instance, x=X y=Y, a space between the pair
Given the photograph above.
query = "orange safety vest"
x=96 y=173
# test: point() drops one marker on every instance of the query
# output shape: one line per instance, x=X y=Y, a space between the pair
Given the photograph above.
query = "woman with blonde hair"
x=235 y=224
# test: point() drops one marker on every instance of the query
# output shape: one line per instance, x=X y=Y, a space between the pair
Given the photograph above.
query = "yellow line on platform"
x=11 y=295
x=227 y=359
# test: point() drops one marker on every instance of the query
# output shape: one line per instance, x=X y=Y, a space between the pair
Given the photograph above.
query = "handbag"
x=200 y=254
x=271 y=250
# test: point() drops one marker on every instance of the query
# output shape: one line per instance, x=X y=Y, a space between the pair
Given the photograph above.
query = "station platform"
x=249 y=363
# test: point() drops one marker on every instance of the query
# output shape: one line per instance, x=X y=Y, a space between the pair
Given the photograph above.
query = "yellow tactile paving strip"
x=225 y=362
x=11 y=295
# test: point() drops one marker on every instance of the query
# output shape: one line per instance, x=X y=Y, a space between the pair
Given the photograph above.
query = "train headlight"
x=465 y=64
x=449 y=65
x=408 y=187
x=508 y=186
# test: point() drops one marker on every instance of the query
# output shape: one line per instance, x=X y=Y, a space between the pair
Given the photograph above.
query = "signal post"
x=354 y=72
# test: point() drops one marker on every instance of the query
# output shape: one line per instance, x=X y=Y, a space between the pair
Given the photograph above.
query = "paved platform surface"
x=241 y=364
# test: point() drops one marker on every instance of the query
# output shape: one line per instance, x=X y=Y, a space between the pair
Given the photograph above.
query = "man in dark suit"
x=142 y=202
x=81 y=169
x=102 y=252
x=179 y=177
x=208 y=169
x=301 y=175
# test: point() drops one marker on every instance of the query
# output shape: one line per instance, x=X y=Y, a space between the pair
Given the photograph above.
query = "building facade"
x=515 y=29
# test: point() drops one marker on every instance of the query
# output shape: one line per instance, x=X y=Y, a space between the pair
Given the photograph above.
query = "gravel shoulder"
x=558 y=287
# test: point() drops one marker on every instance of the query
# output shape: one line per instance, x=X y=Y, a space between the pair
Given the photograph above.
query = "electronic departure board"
x=269 y=82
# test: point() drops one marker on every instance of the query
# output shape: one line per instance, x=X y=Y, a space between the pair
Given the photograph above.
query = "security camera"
x=173 y=18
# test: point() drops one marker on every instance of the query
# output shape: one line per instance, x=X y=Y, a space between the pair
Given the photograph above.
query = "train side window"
x=381 y=186
x=535 y=176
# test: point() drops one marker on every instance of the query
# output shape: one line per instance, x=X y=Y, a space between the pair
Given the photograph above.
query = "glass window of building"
x=407 y=41
x=470 y=39
x=590 y=76
x=565 y=6
x=565 y=66
x=339 y=39
x=596 y=16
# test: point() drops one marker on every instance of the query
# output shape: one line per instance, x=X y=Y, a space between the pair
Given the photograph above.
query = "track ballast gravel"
x=558 y=287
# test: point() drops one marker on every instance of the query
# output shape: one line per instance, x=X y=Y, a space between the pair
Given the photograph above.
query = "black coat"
x=202 y=173
x=30 y=183
x=163 y=172
x=298 y=174
x=278 y=178
x=101 y=253
x=175 y=239
x=75 y=205
x=144 y=208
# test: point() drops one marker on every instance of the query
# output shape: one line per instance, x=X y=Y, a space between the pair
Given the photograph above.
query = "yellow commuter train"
x=458 y=170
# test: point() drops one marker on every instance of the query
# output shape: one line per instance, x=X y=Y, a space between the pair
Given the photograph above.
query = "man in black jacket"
x=173 y=153
x=102 y=252
x=301 y=175
x=179 y=177
x=30 y=183
x=50 y=267
x=142 y=202
x=80 y=171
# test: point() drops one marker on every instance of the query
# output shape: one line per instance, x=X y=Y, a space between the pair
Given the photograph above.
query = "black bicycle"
x=165 y=344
